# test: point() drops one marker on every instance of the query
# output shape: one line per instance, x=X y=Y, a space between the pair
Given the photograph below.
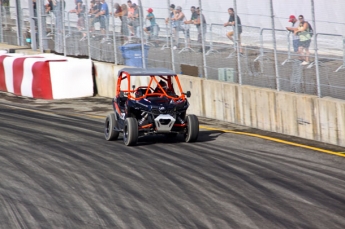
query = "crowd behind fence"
x=196 y=44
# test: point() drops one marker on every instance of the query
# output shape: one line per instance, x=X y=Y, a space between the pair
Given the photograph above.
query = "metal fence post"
x=69 y=24
x=141 y=17
x=19 y=23
x=275 y=46
x=237 y=46
x=39 y=26
x=203 y=39
x=1 y=31
x=88 y=28
x=33 y=20
x=62 y=13
x=316 y=52
x=114 y=32
x=171 y=39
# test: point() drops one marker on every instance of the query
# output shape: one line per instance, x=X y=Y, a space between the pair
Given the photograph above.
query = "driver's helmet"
x=163 y=84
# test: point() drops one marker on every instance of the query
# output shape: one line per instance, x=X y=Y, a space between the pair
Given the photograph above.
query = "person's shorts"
x=295 y=45
x=133 y=23
x=231 y=33
x=103 y=21
x=94 y=20
x=81 y=22
x=148 y=28
x=305 y=44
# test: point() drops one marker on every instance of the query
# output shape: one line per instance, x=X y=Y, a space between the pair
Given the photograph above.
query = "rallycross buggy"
x=143 y=110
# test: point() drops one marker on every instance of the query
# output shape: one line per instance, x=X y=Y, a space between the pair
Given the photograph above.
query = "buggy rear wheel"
x=130 y=131
x=192 y=128
x=110 y=133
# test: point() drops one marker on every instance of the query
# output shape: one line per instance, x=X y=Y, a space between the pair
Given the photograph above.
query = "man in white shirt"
x=295 y=38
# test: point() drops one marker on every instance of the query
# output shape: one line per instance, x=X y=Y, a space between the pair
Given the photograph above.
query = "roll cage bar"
x=123 y=75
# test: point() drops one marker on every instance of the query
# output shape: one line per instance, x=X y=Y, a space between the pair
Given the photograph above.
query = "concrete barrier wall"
x=45 y=76
x=305 y=116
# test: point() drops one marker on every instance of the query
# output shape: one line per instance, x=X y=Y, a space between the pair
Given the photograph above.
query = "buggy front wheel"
x=130 y=131
x=192 y=129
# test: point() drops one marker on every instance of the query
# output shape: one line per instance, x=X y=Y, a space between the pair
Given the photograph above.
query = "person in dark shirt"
x=232 y=22
x=191 y=21
x=79 y=10
x=201 y=31
x=95 y=7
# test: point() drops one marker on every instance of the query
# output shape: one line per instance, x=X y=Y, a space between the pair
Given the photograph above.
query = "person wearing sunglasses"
x=303 y=31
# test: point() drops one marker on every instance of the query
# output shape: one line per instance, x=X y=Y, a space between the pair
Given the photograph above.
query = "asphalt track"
x=57 y=171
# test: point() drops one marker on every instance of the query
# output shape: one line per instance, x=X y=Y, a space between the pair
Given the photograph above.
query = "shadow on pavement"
x=204 y=136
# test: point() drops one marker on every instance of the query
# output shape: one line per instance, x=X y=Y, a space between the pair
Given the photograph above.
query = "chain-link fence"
x=239 y=41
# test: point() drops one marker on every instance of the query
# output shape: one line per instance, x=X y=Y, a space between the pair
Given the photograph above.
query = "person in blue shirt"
x=151 y=17
x=153 y=28
x=103 y=17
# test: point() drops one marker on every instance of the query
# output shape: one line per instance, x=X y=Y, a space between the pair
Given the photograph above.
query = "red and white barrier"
x=46 y=76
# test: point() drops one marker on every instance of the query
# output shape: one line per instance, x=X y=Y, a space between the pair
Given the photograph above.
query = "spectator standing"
x=295 y=38
x=191 y=21
x=303 y=31
x=153 y=29
x=119 y=14
x=123 y=15
x=95 y=8
x=197 y=23
x=130 y=8
x=178 y=19
x=104 y=18
x=232 y=22
x=79 y=10
x=151 y=18
x=133 y=19
x=171 y=16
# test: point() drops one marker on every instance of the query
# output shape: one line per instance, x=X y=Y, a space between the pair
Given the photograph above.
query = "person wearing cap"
x=151 y=18
x=133 y=19
x=295 y=38
x=232 y=22
x=178 y=18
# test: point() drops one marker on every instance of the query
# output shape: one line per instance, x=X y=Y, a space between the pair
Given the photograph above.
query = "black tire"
x=192 y=129
x=130 y=131
x=109 y=133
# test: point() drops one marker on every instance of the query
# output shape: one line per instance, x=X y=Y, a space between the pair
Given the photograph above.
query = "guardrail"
x=331 y=58
x=262 y=52
x=212 y=50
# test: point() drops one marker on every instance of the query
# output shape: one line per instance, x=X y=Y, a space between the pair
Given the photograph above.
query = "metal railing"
x=331 y=58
